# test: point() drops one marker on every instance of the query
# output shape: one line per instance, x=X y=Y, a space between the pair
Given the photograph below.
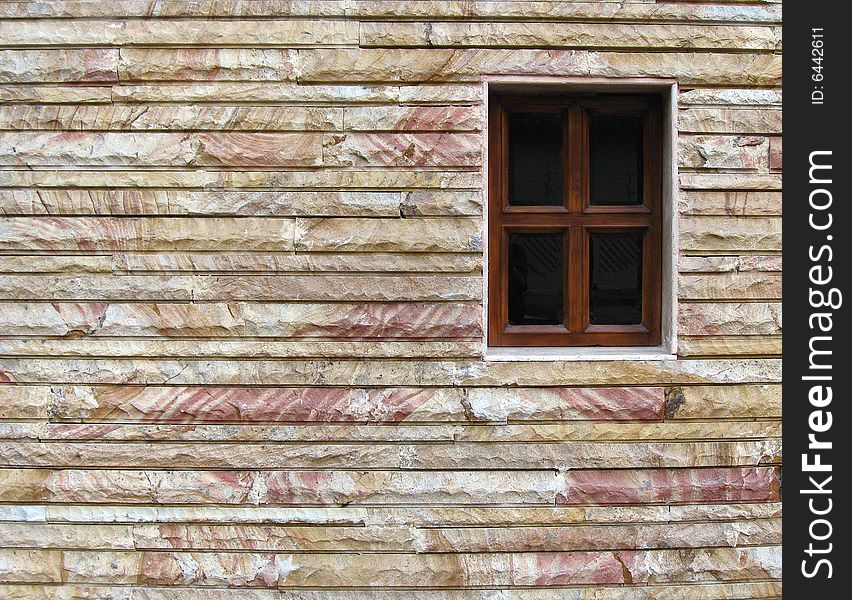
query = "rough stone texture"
x=384 y=321
x=724 y=152
x=241 y=310
x=582 y=35
x=402 y=150
x=186 y=117
x=751 y=318
x=145 y=234
x=419 y=65
x=740 y=286
x=187 y=33
x=161 y=149
x=775 y=153
x=719 y=234
x=399 y=235
x=130 y=202
x=726 y=120
x=730 y=203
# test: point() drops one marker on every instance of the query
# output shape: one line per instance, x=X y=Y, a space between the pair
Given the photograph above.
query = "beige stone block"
x=30 y=566
x=145 y=234
x=272 y=538
x=22 y=402
x=733 y=203
x=720 y=234
x=268 y=349
x=597 y=455
x=414 y=65
x=161 y=149
x=90 y=537
x=69 y=591
x=229 y=92
x=492 y=456
x=604 y=373
x=765 y=11
x=279 y=488
x=738 y=401
x=723 y=152
x=398 y=570
x=241 y=288
x=101 y=567
x=719 y=345
x=435 y=203
x=251 y=405
x=207 y=64
x=161 y=33
x=55 y=264
x=244 y=320
x=90 y=202
x=387 y=372
x=730 y=181
x=218 y=180
x=321 y=262
x=740 y=286
x=613 y=431
x=730 y=318
x=402 y=149
x=406 y=431
x=730 y=97
x=414 y=118
x=397 y=235
x=601 y=537
x=730 y=264
x=568 y=35
x=729 y=120
x=71 y=94
x=84 y=65
x=185 y=117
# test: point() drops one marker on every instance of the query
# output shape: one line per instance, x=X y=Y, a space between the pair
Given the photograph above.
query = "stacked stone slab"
x=241 y=332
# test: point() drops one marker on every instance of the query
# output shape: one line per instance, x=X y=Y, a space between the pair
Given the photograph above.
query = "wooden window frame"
x=575 y=218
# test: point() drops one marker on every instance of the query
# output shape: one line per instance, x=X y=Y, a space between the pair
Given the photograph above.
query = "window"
x=574 y=217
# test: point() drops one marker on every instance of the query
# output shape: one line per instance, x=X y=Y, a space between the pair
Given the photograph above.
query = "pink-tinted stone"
x=670 y=485
x=568 y=568
x=403 y=149
x=775 y=154
x=245 y=404
x=611 y=403
x=209 y=569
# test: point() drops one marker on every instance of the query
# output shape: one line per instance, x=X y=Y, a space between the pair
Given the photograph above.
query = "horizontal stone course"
x=429 y=457
x=384 y=321
x=388 y=372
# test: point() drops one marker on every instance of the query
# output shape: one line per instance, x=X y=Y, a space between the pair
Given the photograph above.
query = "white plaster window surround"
x=668 y=91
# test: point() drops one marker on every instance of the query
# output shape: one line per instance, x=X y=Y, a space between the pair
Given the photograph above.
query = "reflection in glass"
x=615 y=159
x=615 y=287
x=535 y=159
x=536 y=279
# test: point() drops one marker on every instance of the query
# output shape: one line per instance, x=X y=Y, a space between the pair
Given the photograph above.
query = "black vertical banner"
x=817 y=362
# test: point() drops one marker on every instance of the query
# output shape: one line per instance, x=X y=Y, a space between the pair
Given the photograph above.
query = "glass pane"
x=535 y=159
x=536 y=279
x=615 y=287
x=615 y=160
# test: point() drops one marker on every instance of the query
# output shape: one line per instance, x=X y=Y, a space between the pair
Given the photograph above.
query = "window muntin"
x=605 y=208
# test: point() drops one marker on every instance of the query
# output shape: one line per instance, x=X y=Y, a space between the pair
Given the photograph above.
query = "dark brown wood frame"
x=574 y=219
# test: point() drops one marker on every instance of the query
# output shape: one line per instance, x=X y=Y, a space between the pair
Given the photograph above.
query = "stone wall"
x=241 y=329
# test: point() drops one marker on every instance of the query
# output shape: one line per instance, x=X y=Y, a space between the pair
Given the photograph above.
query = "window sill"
x=577 y=354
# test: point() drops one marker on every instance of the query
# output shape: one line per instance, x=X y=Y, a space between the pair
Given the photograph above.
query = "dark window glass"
x=535 y=159
x=615 y=160
x=536 y=279
x=615 y=283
